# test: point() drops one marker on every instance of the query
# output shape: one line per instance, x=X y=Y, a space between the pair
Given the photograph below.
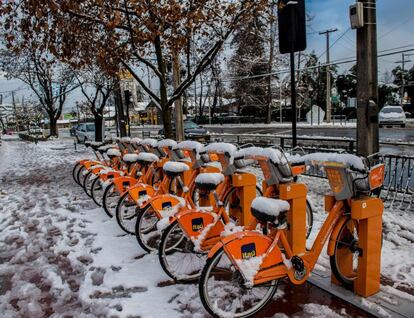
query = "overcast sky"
x=395 y=29
x=395 y=20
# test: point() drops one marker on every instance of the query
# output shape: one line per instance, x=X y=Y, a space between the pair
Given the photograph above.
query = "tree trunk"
x=53 y=128
x=166 y=119
x=98 y=120
x=121 y=121
x=3 y=128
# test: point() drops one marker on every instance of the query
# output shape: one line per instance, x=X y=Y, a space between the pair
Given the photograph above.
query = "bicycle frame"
x=276 y=264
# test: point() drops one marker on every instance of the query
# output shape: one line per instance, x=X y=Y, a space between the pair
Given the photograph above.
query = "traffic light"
x=292 y=26
x=128 y=98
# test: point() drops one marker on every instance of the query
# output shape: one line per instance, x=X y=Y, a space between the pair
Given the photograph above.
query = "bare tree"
x=139 y=35
x=49 y=80
x=96 y=87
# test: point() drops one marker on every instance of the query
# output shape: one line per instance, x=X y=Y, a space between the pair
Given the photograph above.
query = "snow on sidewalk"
x=60 y=255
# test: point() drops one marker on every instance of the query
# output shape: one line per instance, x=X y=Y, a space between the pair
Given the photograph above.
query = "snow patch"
x=269 y=206
x=130 y=157
x=249 y=268
x=190 y=145
x=147 y=157
x=175 y=167
x=210 y=178
x=166 y=143
x=113 y=153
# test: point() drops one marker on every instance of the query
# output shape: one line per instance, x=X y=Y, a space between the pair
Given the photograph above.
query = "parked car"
x=392 y=115
x=35 y=131
x=192 y=131
x=85 y=132
x=73 y=129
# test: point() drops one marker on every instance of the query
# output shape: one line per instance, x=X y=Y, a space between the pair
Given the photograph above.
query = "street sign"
x=292 y=26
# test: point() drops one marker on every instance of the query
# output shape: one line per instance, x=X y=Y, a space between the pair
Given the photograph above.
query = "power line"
x=336 y=62
x=336 y=41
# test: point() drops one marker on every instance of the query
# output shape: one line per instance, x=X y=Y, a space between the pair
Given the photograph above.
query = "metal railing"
x=398 y=189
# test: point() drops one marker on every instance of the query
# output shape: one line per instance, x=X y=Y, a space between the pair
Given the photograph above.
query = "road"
x=386 y=134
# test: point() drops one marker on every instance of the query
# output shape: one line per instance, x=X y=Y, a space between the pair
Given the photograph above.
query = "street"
x=386 y=134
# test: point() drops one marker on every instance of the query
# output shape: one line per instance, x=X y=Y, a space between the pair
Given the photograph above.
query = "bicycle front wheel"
x=75 y=171
x=177 y=256
x=224 y=294
x=126 y=214
x=110 y=200
x=344 y=261
x=146 y=231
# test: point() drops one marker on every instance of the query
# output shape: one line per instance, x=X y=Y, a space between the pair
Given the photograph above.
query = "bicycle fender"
x=89 y=164
x=165 y=205
x=245 y=245
x=141 y=193
x=110 y=175
x=123 y=183
x=194 y=223
x=332 y=239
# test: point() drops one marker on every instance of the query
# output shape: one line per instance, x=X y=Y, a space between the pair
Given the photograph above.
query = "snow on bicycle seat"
x=126 y=139
x=149 y=142
x=167 y=143
x=173 y=168
x=147 y=157
x=221 y=147
x=190 y=145
x=350 y=161
x=105 y=148
x=267 y=209
x=246 y=156
x=113 y=153
x=136 y=141
x=130 y=158
x=209 y=181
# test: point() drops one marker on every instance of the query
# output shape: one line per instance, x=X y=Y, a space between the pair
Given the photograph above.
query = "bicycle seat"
x=146 y=158
x=112 y=153
x=209 y=181
x=105 y=148
x=268 y=210
x=173 y=168
x=130 y=158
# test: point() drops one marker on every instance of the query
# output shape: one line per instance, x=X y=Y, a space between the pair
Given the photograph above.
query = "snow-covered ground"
x=60 y=255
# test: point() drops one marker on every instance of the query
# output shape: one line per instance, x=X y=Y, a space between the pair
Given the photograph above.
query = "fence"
x=398 y=189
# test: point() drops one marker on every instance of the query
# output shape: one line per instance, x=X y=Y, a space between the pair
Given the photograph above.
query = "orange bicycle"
x=154 y=215
x=193 y=231
x=243 y=270
x=149 y=158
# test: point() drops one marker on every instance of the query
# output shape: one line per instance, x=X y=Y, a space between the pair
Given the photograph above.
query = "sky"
x=395 y=20
x=395 y=28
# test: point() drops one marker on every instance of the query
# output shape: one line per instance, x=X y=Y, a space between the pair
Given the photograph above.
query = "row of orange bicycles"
x=201 y=208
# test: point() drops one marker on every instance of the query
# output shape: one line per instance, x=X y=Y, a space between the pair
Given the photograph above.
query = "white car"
x=392 y=115
x=85 y=132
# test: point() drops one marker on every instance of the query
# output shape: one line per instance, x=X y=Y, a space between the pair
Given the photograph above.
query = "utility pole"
x=179 y=121
x=367 y=87
x=328 y=74
x=402 y=62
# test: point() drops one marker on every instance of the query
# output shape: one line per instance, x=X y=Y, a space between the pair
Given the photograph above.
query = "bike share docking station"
x=366 y=215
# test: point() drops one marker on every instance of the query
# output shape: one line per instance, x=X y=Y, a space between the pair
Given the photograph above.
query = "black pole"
x=128 y=122
x=293 y=97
